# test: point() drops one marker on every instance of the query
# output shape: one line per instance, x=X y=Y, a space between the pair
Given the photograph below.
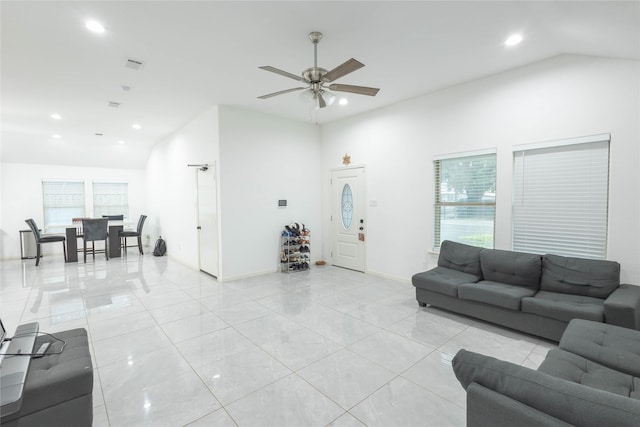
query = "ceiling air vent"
x=134 y=64
x=113 y=104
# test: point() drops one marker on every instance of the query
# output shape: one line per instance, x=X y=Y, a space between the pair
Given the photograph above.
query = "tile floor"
x=173 y=347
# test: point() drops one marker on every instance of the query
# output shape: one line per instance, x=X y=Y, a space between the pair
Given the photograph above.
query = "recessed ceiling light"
x=136 y=126
x=513 y=40
x=343 y=101
x=56 y=136
x=56 y=116
x=121 y=142
x=94 y=26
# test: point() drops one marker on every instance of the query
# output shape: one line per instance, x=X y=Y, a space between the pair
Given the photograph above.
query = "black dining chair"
x=138 y=233
x=44 y=239
x=92 y=230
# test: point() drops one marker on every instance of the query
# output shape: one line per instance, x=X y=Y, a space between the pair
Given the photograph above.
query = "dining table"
x=74 y=232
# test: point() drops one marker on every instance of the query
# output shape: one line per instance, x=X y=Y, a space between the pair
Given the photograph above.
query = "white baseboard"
x=246 y=276
x=390 y=276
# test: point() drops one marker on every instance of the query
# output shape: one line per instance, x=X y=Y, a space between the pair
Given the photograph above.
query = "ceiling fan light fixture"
x=328 y=97
x=343 y=101
x=308 y=97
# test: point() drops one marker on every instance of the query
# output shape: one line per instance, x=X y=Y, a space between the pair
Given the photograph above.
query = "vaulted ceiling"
x=197 y=54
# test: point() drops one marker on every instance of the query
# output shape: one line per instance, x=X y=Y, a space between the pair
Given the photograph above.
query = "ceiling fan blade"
x=282 y=92
x=321 y=102
x=282 y=73
x=360 y=90
x=342 y=70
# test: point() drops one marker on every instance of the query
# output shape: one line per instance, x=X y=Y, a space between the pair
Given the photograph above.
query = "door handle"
x=199 y=228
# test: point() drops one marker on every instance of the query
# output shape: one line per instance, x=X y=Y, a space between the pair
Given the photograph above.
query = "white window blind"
x=560 y=199
x=465 y=200
x=110 y=198
x=62 y=201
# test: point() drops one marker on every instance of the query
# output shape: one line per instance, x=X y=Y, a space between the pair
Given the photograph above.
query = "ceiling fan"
x=319 y=81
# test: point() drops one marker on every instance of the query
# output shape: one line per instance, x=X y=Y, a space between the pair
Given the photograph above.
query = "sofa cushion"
x=442 y=280
x=612 y=346
x=494 y=293
x=513 y=268
x=565 y=400
x=460 y=257
x=60 y=378
x=577 y=276
x=564 y=307
x=577 y=369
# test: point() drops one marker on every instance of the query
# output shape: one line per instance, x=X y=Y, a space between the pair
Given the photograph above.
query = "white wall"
x=264 y=158
x=172 y=185
x=563 y=97
x=21 y=197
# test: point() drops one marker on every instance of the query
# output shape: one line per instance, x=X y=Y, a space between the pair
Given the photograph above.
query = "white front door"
x=208 y=220
x=348 y=218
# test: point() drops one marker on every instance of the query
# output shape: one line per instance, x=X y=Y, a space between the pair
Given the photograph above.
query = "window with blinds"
x=560 y=197
x=465 y=199
x=110 y=198
x=62 y=201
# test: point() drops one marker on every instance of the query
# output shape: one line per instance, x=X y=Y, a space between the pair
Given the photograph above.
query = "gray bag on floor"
x=161 y=247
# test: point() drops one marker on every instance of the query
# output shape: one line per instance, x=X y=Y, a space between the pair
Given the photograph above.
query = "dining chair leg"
x=38 y=254
x=64 y=250
x=84 y=250
x=93 y=249
x=140 y=245
x=106 y=248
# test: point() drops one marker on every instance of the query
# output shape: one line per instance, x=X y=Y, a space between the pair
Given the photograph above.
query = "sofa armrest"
x=622 y=307
x=569 y=402
x=487 y=408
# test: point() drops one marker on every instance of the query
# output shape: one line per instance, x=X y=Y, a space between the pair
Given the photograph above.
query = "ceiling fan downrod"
x=315 y=37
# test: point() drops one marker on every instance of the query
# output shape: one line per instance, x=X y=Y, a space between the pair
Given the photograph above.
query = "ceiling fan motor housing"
x=314 y=74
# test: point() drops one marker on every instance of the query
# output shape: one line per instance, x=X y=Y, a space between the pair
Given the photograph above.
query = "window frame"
x=583 y=238
x=100 y=209
x=440 y=204
x=57 y=226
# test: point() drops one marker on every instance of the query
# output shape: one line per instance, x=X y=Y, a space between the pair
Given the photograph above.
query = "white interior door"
x=348 y=218
x=208 y=220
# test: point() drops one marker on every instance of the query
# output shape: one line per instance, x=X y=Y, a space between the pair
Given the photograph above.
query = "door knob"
x=199 y=228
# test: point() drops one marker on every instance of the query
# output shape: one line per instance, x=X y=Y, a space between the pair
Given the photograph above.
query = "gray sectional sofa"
x=528 y=292
x=591 y=380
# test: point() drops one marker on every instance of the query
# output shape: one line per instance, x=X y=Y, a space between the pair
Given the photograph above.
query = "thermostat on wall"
x=282 y=203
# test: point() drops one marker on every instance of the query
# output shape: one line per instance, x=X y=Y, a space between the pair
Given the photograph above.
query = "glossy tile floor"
x=173 y=347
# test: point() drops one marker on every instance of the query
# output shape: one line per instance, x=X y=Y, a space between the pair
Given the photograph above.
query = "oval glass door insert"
x=347 y=206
